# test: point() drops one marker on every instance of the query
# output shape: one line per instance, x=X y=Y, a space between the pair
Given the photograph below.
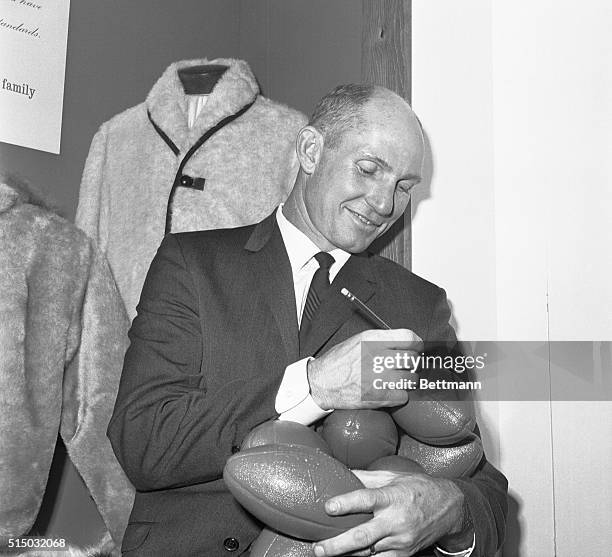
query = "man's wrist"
x=316 y=393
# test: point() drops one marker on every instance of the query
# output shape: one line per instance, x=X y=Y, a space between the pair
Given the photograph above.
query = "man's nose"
x=382 y=198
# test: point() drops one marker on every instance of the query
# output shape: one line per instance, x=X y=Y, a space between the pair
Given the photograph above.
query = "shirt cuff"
x=465 y=553
x=293 y=400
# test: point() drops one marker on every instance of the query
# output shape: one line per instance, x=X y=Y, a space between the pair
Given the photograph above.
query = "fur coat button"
x=186 y=181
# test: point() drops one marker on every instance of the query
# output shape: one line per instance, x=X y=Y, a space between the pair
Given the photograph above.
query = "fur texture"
x=249 y=167
x=62 y=341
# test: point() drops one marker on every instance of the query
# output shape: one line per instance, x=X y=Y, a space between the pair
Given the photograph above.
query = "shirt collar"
x=301 y=249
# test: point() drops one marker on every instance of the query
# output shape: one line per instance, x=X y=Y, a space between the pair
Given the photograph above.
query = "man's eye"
x=367 y=168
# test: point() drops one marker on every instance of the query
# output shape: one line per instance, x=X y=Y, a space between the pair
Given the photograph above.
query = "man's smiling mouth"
x=362 y=219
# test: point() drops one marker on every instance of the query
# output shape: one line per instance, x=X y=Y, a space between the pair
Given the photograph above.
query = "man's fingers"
x=390 y=553
x=358 y=501
x=394 y=397
x=403 y=335
x=403 y=339
x=367 y=553
x=354 y=540
x=373 y=405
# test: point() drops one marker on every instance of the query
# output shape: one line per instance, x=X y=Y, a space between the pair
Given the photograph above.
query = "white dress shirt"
x=293 y=400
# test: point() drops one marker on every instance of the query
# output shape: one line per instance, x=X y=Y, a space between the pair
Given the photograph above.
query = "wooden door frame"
x=386 y=60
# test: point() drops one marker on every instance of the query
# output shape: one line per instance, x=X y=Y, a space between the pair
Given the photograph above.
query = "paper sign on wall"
x=33 y=37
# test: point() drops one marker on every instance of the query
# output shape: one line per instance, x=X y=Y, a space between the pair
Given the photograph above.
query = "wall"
x=116 y=52
x=299 y=50
x=516 y=99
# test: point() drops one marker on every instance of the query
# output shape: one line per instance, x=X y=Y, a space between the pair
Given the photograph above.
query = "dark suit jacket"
x=216 y=327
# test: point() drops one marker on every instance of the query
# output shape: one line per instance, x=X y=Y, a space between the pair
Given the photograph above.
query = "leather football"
x=286 y=487
x=436 y=418
x=273 y=544
x=279 y=432
x=358 y=437
x=396 y=463
x=455 y=461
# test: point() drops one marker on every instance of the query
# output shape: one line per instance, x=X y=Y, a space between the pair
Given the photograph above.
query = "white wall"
x=516 y=100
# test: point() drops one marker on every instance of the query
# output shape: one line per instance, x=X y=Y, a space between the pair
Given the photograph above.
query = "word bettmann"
x=407 y=361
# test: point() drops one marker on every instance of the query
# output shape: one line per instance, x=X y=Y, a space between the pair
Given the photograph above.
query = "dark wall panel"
x=301 y=49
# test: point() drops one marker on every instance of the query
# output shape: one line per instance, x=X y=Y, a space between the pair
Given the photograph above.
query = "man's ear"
x=309 y=145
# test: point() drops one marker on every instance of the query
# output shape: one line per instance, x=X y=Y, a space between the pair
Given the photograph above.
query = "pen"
x=352 y=298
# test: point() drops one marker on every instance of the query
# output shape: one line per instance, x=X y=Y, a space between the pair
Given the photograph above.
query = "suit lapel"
x=357 y=276
x=270 y=265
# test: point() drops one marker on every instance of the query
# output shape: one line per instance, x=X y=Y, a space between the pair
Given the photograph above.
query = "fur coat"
x=236 y=177
x=62 y=340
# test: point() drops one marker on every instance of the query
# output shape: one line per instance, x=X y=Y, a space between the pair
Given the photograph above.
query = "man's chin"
x=353 y=242
x=357 y=246
x=362 y=245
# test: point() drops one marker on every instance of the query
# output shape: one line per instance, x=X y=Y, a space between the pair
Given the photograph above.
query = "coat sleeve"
x=486 y=491
x=486 y=495
x=96 y=345
x=167 y=429
x=92 y=209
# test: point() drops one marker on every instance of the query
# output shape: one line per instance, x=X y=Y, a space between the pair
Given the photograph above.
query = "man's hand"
x=335 y=377
x=411 y=512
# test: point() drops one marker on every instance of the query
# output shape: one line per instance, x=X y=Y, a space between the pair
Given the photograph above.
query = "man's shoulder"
x=395 y=276
x=207 y=250
x=214 y=239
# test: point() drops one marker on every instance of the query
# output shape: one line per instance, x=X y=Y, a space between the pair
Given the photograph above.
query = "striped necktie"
x=316 y=293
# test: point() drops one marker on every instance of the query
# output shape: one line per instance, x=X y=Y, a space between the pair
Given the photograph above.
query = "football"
x=396 y=463
x=272 y=544
x=455 y=461
x=436 y=418
x=279 y=432
x=358 y=437
x=286 y=487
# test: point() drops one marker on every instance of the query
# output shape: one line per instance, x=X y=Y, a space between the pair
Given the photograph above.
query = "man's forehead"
x=386 y=143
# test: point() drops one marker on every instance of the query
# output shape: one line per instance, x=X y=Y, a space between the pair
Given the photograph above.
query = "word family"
x=20 y=88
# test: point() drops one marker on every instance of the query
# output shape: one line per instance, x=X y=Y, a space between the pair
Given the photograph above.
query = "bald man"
x=216 y=349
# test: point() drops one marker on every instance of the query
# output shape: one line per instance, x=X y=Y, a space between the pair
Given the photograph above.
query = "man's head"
x=340 y=111
x=360 y=155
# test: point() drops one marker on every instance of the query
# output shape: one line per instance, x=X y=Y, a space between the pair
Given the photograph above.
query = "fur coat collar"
x=167 y=102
